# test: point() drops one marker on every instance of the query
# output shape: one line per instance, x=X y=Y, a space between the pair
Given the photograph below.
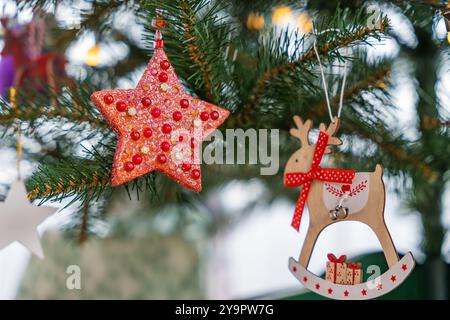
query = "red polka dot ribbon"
x=296 y=179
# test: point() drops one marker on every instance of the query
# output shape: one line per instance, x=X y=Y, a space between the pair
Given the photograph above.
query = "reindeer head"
x=301 y=160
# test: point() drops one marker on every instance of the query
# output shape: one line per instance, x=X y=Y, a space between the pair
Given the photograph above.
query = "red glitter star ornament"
x=159 y=126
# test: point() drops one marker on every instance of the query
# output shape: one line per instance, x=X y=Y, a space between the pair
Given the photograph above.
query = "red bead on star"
x=147 y=121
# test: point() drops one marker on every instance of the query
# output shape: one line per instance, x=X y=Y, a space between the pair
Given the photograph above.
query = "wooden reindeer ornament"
x=335 y=195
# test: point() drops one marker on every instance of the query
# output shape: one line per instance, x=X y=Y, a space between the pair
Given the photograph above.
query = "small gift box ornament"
x=354 y=273
x=336 y=269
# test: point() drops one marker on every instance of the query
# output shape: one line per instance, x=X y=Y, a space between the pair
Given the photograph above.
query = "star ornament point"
x=159 y=126
x=19 y=220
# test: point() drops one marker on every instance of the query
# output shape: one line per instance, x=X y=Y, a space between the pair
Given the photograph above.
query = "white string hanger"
x=341 y=98
x=324 y=83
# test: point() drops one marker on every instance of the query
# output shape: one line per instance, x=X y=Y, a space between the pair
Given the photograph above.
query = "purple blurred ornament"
x=7 y=73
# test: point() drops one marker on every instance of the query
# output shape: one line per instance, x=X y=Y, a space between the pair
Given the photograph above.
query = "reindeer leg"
x=387 y=244
x=308 y=245
x=375 y=218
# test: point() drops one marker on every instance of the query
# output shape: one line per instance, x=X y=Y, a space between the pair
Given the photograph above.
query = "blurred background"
x=232 y=240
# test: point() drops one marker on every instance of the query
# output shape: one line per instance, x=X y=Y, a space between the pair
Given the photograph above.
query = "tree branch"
x=46 y=186
x=31 y=114
x=393 y=150
x=309 y=56
x=196 y=55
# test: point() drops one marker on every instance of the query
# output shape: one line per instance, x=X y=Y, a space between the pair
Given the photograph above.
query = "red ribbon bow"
x=333 y=258
x=354 y=266
x=296 y=179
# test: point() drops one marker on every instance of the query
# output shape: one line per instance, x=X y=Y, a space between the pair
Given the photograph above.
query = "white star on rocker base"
x=19 y=219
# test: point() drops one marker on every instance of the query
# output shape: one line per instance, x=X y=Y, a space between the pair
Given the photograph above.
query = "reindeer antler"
x=302 y=130
x=331 y=130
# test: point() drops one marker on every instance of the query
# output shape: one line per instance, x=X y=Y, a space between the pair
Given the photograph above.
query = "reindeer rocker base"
x=335 y=195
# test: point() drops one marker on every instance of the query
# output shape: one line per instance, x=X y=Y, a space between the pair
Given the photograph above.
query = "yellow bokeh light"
x=304 y=22
x=448 y=37
x=281 y=15
x=93 y=56
x=255 y=22
x=12 y=96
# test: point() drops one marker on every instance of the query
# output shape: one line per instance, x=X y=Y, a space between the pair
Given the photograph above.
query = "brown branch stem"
x=70 y=184
x=8 y=118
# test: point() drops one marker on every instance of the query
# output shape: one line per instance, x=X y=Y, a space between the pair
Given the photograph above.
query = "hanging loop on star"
x=158 y=23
